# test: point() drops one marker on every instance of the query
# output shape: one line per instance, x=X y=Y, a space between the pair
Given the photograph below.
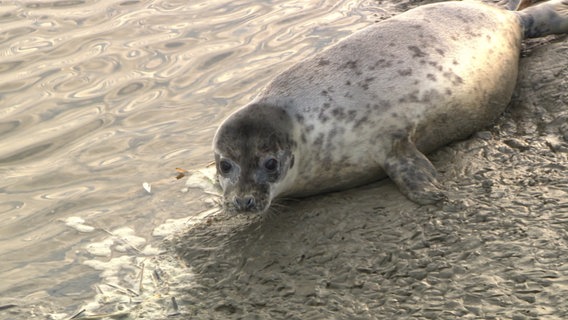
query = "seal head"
x=254 y=151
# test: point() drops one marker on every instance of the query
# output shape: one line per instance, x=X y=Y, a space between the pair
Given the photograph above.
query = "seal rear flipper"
x=550 y=17
x=413 y=173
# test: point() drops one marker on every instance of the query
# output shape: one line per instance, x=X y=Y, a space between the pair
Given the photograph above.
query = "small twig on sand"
x=78 y=314
x=126 y=291
x=175 y=308
x=7 y=306
x=140 y=284
x=121 y=239
x=115 y=315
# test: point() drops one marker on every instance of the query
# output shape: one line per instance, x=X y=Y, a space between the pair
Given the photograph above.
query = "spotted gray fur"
x=376 y=102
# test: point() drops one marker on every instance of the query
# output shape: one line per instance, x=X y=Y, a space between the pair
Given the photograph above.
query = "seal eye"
x=271 y=164
x=225 y=166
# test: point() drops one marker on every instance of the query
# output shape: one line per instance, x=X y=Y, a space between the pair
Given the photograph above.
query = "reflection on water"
x=98 y=97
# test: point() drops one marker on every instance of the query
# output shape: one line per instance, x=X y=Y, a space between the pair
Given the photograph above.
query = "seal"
x=375 y=103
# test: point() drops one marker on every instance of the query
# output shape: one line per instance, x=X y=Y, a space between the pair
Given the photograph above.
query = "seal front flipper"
x=413 y=173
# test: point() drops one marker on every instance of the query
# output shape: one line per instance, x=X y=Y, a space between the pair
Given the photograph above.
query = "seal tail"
x=546 y=18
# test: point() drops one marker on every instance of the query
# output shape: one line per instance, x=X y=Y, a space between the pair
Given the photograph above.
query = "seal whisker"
x=271 y=212
x=279 y=206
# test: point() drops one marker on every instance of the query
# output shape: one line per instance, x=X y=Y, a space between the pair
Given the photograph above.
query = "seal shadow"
x=321 y=243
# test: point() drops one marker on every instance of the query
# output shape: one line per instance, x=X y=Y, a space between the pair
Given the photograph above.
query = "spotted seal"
x=374 y=103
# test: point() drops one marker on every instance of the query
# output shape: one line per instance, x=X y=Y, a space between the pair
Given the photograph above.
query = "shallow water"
x=98 y=97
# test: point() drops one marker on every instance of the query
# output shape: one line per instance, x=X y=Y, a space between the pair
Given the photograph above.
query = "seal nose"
x=244 y=203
